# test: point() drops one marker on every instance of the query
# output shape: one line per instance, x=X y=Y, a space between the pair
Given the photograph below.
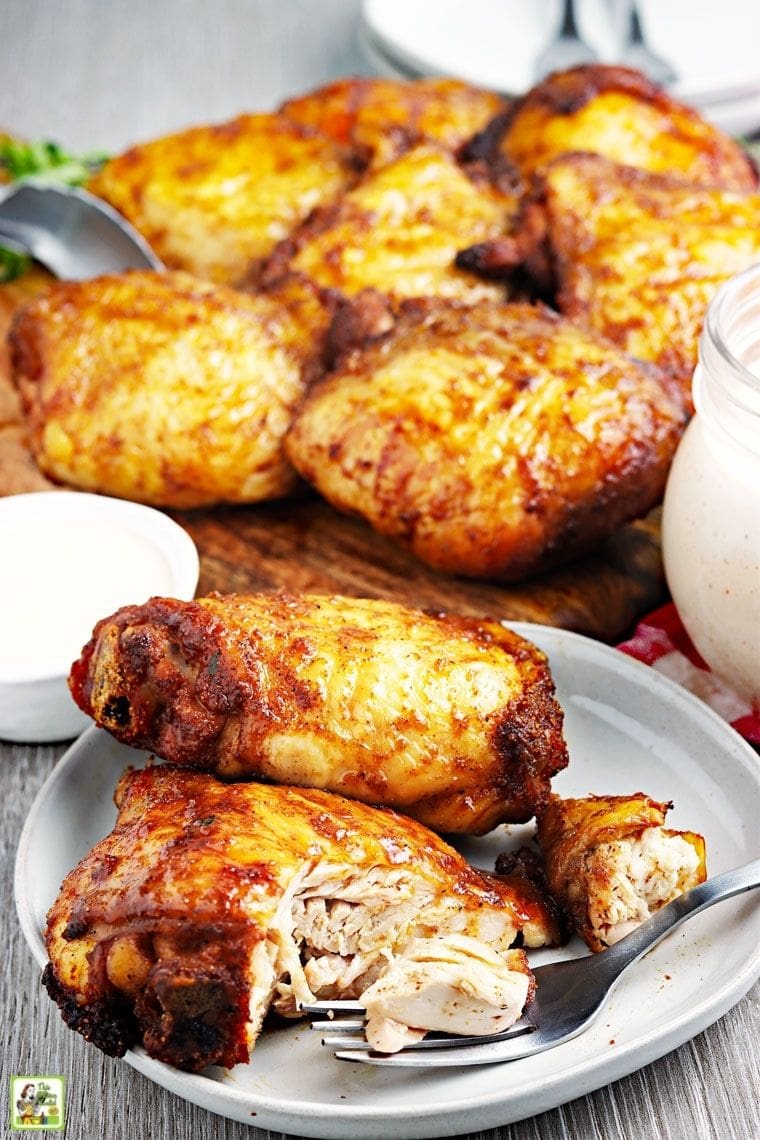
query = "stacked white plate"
x=493 y=43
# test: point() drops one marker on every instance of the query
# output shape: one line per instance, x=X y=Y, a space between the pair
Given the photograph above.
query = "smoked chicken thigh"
x=209 y=903
x=211 y=199
x=382 y=118
x=450 y=719
x=639 y=256
x=492 y=440
x=162 y=388
x=611 y=862
x=618 y=113
x=634 y=256
x=399 y=231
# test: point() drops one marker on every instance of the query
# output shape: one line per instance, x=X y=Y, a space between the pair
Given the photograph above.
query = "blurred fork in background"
x=635 y=51
x=568 y=48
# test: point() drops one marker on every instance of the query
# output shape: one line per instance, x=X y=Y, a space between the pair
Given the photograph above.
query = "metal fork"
x=567 y=47
x=637 y=53
x=569 y=995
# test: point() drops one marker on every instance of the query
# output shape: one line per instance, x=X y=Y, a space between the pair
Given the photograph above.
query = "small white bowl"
x=68 y=559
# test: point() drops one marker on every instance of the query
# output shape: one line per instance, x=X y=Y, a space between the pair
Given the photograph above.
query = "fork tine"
x=482 y=1054
x=339 y=1025
x=346 y=1041
x=330 y=1008
x=442 y=1041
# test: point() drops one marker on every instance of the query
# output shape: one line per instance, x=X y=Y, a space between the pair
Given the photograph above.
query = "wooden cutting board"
x=303 y=544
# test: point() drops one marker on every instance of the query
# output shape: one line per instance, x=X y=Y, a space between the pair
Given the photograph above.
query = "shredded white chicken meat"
x=453 y=984
x=627 y=880
x=416 y=964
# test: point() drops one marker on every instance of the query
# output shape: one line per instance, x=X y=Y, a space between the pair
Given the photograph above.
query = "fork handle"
x=569 y=27
x=735 y=882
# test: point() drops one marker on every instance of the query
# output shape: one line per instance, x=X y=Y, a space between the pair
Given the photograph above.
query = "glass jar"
x=711 y=512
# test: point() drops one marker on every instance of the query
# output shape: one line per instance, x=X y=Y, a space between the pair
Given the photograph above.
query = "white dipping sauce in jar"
x=711 y=513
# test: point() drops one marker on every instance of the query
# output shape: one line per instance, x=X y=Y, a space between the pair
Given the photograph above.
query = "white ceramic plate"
x=494 y=43
x=628 y=729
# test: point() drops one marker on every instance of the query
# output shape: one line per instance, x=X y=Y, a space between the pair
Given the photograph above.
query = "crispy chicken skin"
x=634 y=256
x=382 y=118
x=640 y=256
x=399 y=231
x=210 y=902
x=212 y=198
x=450 y=719
x=492 y=440
x=618 y=113
x=163 y=388
x=611 y=862
x=18 y=471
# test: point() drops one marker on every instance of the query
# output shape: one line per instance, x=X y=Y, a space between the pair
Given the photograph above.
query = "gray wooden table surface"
x=104 y=73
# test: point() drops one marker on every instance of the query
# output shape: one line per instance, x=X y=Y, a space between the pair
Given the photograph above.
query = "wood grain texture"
x=94 y=74
x=305 y=545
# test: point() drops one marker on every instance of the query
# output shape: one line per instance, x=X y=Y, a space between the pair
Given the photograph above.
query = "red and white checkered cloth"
x=661 y=641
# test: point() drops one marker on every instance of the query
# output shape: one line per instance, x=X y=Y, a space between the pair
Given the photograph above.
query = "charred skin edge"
x=257 y=281
x=188 y=1042
x=109 y=1024
x=195 y=1018
x=525 y=253
x=197 y=636
x=270 y=272
x=186 y=1016
x=526 y=738
x=532 y=749
x=277 y=266
x=357 y=90
x=524 y=870
x=566 y=93
x=359 y=321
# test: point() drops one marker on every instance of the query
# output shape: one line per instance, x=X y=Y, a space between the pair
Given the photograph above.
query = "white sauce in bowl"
x=67 y=578
x=69 y=559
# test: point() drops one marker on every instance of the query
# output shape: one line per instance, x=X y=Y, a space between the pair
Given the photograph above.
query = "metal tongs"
x=71 y=232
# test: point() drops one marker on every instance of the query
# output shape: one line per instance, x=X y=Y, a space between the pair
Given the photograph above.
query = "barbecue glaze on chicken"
x=209 y=903
x=449 y=719
x=491 y=440
x=211 y=199
x=619 y=113
x=398 y=231
x=634 y=256
x=381 y=118
x=165 y=389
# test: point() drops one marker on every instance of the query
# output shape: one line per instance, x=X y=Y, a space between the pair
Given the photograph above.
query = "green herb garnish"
x=48 y=162
x=45 y=162
x=12 y=264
